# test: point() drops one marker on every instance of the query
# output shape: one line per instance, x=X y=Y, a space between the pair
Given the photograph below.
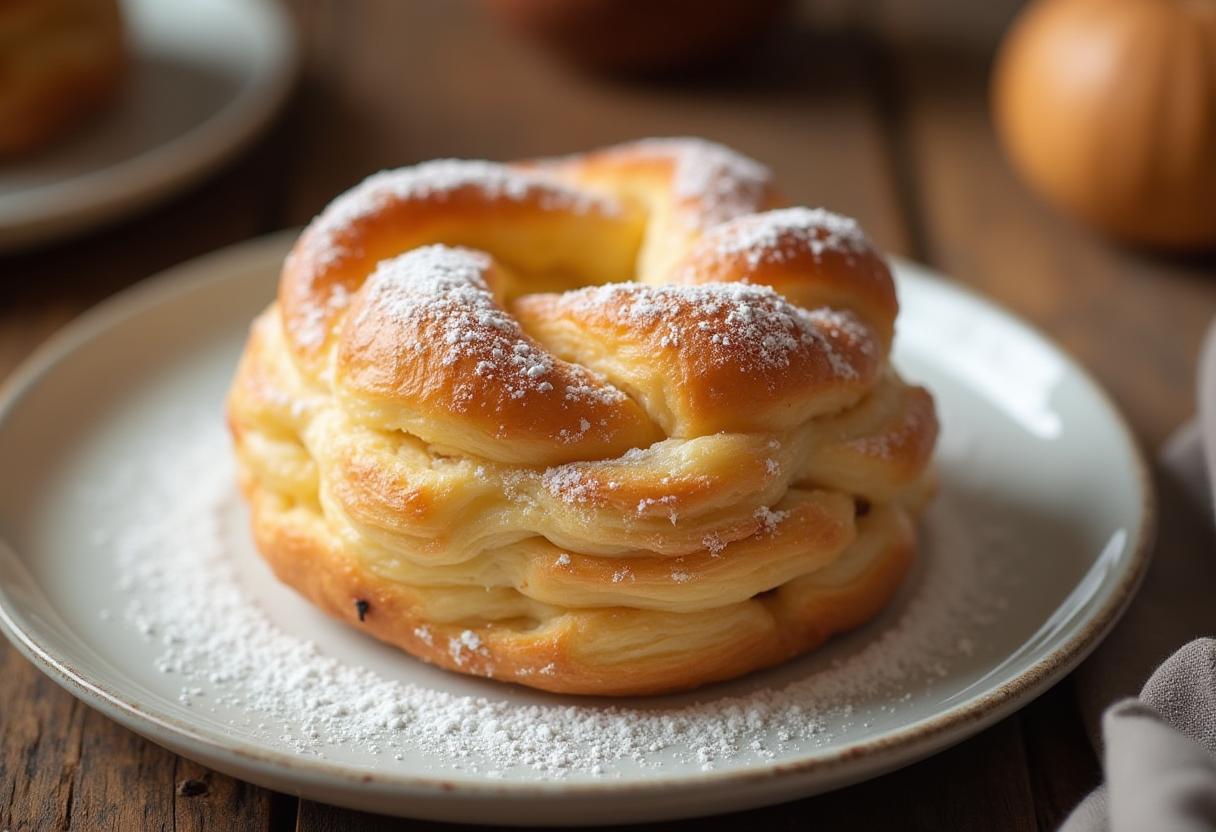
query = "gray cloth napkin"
x=1160 y=749
x=1160 y=752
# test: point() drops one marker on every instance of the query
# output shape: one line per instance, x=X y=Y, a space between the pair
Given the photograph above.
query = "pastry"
x=616 y=423
x=60 y=61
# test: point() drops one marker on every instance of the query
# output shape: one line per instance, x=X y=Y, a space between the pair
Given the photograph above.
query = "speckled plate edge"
x=657 y=797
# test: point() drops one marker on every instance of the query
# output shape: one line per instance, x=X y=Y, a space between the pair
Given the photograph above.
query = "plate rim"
x=107 y=194
x=848 y=764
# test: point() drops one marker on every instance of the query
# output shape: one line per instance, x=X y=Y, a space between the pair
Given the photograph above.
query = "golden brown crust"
x=452 y=435
x=60 y=61
x=812 y=257
x=781 y=367
x=444 y=361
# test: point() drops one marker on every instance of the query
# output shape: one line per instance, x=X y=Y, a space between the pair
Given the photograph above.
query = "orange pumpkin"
x=1108 y=109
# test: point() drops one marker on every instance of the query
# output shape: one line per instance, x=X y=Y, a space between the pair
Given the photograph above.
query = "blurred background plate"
x=1043 y=494
x=206 y=76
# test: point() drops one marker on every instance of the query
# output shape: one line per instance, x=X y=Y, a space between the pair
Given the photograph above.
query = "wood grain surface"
x=852 y=116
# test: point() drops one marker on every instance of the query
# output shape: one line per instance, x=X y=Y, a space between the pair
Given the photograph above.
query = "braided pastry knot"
x=613 y=423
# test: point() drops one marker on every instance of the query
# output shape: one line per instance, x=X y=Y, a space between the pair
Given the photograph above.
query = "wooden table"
x=852 y=116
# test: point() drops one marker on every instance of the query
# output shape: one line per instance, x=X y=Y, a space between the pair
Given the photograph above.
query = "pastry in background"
x=61 y=61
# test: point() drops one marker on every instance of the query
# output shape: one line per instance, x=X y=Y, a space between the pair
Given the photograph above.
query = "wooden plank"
x=40 y=743
x=61 y=765
x=122 y=781
x=979 y=784
x=205 y=800
x=1062 y=765
x=320 y=817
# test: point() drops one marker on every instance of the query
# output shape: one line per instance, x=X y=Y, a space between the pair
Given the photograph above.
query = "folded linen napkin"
x=1160 y=752
x=1160 y=749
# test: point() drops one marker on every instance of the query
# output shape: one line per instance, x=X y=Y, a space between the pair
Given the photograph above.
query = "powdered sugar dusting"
x=440 y=179
x=715 y=181
x=437 y=297
x=467 y=642
x=446 y=287
x=769 y=519
x=775 y=236
x=735 y=322
x=569 y=484
x=329 y=238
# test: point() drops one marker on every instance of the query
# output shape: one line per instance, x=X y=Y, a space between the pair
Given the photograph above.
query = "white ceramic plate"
x=1036 y=542
x=206 y=76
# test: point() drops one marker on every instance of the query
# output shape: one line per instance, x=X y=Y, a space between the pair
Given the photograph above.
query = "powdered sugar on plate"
x=176 y=563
